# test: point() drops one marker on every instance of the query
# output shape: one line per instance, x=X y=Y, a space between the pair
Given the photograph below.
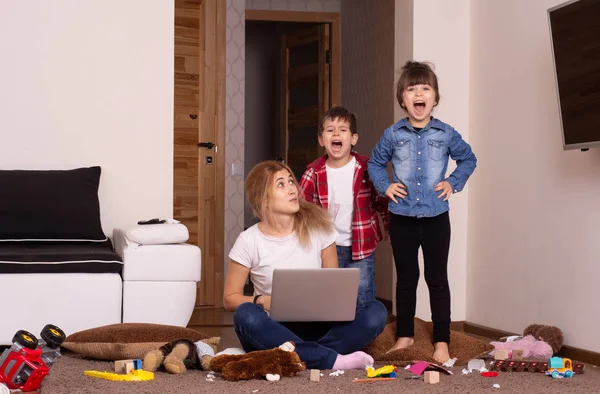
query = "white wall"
x=91 y=83
x=534 y=212
x=440 y=35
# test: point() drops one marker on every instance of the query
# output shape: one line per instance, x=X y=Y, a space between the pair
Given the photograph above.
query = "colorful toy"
x=126 y=366
x=371 y=380
x=27 y=362
x=529 y=366
x=387 y=371
x=560 y=367
x=137 y=375
x=432 y=377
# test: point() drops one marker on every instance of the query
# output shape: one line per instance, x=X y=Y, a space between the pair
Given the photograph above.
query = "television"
x=575 y=38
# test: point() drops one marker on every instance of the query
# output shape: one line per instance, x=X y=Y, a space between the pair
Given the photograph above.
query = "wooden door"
x=305 y=93
x=199 y=135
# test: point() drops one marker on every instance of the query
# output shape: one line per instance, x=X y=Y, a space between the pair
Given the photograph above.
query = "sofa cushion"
x=158 y=234
x=129 y=340
x=50 y=205
x=58 y=258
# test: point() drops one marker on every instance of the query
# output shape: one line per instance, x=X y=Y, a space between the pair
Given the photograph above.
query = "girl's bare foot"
x=402 y=343
x=440 y=352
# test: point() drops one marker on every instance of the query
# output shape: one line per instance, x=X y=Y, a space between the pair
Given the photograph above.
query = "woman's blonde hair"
x=310 y=217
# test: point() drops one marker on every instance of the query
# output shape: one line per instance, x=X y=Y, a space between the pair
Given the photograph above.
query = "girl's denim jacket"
x=420 y=160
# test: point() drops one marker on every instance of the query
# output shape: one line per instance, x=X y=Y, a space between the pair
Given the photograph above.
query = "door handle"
x=207 y=145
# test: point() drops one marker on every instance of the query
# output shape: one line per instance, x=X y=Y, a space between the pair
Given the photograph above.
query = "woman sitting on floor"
x=296 y=234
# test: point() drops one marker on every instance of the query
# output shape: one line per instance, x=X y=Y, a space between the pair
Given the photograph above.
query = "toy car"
x=560 y=367
x=27 y=362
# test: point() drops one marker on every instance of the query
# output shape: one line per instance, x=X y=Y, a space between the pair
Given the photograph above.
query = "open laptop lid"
x=316 y=294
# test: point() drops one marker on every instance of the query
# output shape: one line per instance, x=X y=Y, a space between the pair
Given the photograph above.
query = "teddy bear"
x=181 y=354
x=271 y=364
x=538 y=342
x=552 y=335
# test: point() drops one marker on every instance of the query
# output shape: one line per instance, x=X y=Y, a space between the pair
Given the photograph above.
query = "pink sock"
x=356 y=360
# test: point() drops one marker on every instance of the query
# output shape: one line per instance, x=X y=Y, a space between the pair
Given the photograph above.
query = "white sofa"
x=157 y=285
x=57 y=265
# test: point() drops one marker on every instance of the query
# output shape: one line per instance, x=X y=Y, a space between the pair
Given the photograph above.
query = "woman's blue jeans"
x=317 y=343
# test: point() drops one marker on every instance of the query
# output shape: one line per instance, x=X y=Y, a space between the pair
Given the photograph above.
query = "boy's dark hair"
x=417 y=73
x=340 y=113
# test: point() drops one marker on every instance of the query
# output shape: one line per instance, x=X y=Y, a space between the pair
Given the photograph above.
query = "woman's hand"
x=396 y=190
x=446 y=189
x=265 y=302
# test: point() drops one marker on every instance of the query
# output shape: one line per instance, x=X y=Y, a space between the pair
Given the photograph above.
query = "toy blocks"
x=476 y=364
x=127 y=366
x=432 y=377
x=315 y=375
x=517 y=354
x=501 y=354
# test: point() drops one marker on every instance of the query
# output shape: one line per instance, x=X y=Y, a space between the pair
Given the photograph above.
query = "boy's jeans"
x=366 y=285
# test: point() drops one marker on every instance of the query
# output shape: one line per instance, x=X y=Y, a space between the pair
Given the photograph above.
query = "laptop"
x=314 y=294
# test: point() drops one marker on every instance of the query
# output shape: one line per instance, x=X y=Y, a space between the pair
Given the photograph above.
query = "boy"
x=339 y=182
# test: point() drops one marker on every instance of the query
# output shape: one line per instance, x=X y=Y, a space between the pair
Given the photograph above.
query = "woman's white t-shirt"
x=262 y=254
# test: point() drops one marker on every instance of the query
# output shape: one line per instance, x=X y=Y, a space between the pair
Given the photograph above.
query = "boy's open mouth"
x=336 y=145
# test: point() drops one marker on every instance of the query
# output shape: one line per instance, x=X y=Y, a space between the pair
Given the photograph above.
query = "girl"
x=292 y=233
x=419 y=147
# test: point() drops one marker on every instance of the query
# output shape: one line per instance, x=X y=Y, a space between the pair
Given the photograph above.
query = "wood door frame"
x=312 y=17
x=211 y=127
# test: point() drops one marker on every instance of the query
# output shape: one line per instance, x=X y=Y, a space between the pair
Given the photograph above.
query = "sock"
x=203 y=349
x=356 y=360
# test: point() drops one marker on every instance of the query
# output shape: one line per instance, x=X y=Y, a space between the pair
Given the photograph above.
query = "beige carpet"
x=66 y=376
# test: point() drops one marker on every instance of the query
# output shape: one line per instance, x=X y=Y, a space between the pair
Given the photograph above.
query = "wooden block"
x=501 y=354
x=315 y=375
x=124 y=366
x=517 y=354
x=432 y=377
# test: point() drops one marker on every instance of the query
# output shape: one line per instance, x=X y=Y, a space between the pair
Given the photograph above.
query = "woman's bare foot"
x=402 y=343
x=440 y=352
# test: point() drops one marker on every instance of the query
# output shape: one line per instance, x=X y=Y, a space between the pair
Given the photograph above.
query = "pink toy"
x=531 y=347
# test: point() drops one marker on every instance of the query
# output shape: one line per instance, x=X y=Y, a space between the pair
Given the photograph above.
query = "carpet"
x=66 y=376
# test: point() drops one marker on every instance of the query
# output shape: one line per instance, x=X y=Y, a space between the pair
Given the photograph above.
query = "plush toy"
x=182 y=354
x=538 y=341
x=271 y=364
x=531 y=347
x=552 y=335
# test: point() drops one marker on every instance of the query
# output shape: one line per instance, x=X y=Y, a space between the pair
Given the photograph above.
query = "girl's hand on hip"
x=445 y=188
x=396 y=190
x=265 y=302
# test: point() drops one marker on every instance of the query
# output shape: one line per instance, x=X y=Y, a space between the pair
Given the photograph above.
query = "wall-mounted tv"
x=575 y=35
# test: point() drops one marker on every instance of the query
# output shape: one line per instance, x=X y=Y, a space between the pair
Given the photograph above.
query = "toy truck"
x=27 y=362
x=558 y=367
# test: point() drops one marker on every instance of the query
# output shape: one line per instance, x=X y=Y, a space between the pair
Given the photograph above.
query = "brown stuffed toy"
x=552 y=335
x=182 y=354
x=271 y=364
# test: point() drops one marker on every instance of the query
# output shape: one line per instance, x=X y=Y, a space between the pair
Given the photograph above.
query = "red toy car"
x=27 y=362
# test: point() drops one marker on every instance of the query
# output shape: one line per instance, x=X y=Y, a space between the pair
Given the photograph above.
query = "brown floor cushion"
x=129 y=340
x=462 y=346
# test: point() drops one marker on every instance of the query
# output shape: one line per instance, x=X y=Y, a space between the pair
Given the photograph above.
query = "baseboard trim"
x=574 y=353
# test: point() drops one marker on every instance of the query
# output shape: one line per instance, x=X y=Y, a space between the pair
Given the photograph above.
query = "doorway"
x=292 y=75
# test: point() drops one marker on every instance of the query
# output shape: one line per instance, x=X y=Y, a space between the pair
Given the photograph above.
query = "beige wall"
x=367 y=75
x=441 y=36
x=91 y=83
x=534 y=212
x=437 y=31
